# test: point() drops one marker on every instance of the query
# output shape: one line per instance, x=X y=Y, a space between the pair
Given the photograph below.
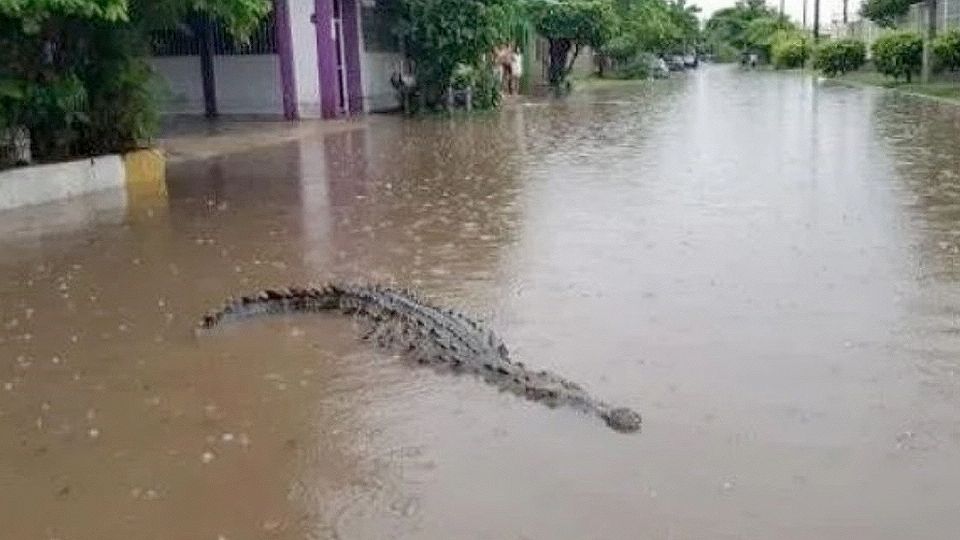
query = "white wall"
x=38 y=184
x=184 y=84
x=377 y=67
x=305 y=68
x=246 y=84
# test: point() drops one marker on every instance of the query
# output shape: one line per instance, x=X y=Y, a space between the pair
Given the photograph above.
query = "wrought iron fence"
x=182 y=40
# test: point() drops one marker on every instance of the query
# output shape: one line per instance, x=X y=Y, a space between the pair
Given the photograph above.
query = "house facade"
x=308 y=59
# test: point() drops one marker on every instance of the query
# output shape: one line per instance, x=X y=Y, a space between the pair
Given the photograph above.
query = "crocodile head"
x=622 y=419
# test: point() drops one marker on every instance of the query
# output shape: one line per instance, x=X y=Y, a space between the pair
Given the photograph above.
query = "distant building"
x=308 y=59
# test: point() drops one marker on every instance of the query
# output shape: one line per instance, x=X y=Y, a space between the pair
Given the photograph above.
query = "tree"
x=789 y=50
x=570 y=25
x=450 y=41
x=74 y=74
x=444 y=36
x=659 y=26
x=946 y=49
x=687 y=24
x=898 y=54
x=761 y=32
x=839 y=56
x=729 y=27
x=885 y=12
x=647 y=24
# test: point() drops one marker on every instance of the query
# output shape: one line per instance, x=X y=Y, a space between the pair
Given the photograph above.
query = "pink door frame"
x=327 y=57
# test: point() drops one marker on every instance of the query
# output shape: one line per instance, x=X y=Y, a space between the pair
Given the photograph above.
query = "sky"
x=829 y=9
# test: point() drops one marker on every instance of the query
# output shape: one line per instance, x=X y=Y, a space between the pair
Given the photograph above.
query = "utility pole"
x=928 y=35
x=804 y=16
x=846 y=5
x=816 y=21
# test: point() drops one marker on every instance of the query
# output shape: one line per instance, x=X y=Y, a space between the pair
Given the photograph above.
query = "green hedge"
x=789 y=50
x=837 y=57
x=898 y=54
x=946 y=50
x=97 y=97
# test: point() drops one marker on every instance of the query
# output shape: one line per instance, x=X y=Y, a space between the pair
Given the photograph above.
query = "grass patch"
x=945 y=89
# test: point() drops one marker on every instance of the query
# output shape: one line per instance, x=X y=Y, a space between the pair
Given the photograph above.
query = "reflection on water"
x=765 y=266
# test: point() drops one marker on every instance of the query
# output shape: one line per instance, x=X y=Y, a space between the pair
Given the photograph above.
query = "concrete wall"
x=246 y=84
x=142 y=172
x=378 y=93
x=44 y=183
x=184 y=86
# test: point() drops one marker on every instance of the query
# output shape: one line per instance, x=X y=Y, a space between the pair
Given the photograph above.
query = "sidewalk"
x=945 y=89
x=188 y=138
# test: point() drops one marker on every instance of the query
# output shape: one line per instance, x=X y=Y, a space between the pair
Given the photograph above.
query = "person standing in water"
x=504 y=61
x=516 y=71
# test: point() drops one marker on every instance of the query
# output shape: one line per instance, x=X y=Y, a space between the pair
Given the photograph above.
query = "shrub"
x=760 y=34
x=727 y=53
x=621 y=48
x=440 y=35
x=570 y=25
x=625 y=59
x=97 y=98
x=946 y=50
x=898 y=54
x=840 y=56
x=637 y=67
x=789 y=50
x=74 y=77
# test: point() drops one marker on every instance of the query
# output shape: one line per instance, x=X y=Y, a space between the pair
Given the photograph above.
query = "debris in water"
x=272 y=525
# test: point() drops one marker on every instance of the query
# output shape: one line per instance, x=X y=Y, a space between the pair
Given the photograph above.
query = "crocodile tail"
x=275 y=301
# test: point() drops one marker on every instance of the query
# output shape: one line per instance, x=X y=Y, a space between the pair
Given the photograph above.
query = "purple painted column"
x=351 y=52
x=288 y=80
x=326 y=57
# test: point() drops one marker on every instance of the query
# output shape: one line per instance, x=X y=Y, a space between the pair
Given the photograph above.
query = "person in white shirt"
x=516 y=71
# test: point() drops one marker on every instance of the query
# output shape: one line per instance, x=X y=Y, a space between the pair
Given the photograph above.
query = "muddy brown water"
x=765 y=266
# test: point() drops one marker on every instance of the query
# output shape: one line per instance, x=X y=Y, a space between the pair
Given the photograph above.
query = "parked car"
x=675 y=63
x=658 y=67
x=691 y=61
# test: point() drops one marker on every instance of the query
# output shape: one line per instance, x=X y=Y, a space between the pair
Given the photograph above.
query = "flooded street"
x=766 y=267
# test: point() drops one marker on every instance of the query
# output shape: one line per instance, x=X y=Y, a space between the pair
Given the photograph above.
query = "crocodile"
x=443 y=339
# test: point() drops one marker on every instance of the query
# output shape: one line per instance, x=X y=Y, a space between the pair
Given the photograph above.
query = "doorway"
x=338 y=55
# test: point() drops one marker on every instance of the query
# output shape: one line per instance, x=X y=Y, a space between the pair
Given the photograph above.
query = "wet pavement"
x=765 y=266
